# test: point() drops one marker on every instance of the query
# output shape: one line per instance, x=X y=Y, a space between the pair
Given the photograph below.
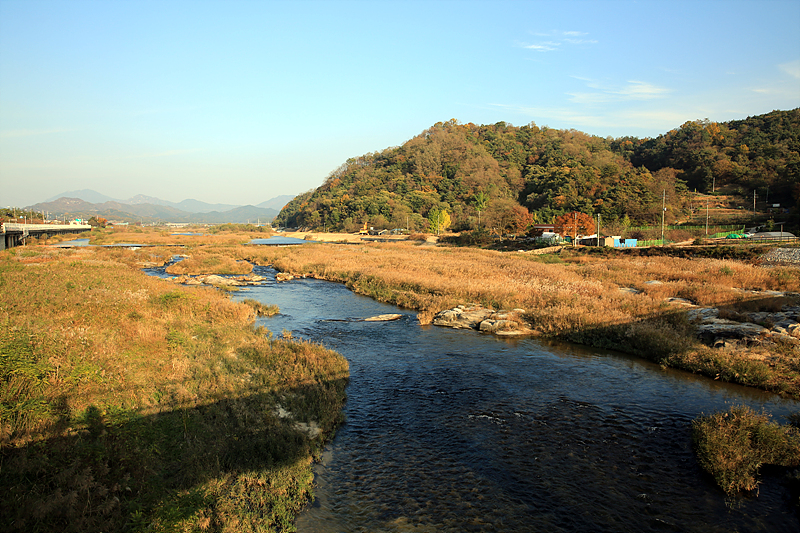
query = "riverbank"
x=632 y=304
x=130 y=403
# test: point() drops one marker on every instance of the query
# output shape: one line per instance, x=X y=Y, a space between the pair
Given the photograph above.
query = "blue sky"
x=241 y=101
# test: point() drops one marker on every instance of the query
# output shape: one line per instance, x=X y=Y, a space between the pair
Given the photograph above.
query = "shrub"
x=261 y=309
x=732 y=446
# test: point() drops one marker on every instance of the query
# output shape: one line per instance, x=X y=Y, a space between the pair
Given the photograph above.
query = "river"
x=454 y=430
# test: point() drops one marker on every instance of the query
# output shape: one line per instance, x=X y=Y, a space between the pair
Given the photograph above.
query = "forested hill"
x=500 y=173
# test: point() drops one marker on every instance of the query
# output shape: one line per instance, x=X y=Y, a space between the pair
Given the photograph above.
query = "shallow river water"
x=453 y=430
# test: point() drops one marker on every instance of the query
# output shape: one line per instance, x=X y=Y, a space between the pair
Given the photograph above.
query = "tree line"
x=507 y=178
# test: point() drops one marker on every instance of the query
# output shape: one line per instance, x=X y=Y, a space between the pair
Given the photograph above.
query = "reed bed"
x=200 y=262
x=130 y=403
x=570 y=296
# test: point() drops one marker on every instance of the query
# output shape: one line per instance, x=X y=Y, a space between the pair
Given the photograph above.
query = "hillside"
x=502 y=177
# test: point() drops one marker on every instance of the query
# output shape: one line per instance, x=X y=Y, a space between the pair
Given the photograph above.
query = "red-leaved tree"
x=573 y=223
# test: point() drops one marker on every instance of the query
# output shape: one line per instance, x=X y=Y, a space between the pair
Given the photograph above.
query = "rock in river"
x=483 y=319
x=383 y=318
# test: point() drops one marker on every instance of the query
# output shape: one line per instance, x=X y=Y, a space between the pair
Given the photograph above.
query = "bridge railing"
x=41 y=228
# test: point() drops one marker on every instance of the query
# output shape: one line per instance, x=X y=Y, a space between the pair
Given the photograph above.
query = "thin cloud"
x=633 y=90
x=641 y=90
x=557 y=39
x=792 y=68
x=652 y=120
x=542 y=47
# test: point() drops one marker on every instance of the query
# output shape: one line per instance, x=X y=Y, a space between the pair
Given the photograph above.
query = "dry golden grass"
x=226 y=234
x=576 y=297
x=209 y=263
x=578 y=292
x=127 y=402
x=733 y=445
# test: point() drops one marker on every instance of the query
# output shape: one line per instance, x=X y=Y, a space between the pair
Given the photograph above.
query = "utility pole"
x=663 y=210
x=754 y=202
x=574 y=228
x=598 y=229
x=706 y=217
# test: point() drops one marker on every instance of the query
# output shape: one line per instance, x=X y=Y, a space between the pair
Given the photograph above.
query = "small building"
x=625 y=243
x=550 y=236
x=538 y=230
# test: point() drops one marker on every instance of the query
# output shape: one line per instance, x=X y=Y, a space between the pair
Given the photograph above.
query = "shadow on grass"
x=202 y=466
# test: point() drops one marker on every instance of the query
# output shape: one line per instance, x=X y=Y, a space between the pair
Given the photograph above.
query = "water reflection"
x=454 y=430
x=279 y=240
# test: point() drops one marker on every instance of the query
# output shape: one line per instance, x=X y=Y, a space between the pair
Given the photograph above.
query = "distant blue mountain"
x=276 y=203
x=87 y=195
x=150 y=208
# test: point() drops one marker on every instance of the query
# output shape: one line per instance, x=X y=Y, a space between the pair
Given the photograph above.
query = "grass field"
x=130 y=403
x=571 y=296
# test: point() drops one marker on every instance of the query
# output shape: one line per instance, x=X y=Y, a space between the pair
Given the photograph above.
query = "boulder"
x=462 y=317
x=703 y=313
x=714 y=329
x=482 y=319
x=383 y=318
x=630 y=290
x=680 y=301
x=496 y=325
x=283 y=276
x=251 y=279
x=214 y=279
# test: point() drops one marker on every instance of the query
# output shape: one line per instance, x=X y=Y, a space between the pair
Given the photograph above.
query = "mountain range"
x=87 y=203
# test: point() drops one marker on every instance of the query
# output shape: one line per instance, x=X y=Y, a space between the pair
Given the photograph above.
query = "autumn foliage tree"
x=573 y=223
x=522 y=219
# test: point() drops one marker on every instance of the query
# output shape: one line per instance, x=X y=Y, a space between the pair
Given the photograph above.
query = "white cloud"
x=632 y=90
x=558 y=38
x=542 y=47
x=641 y=90
x=792 y=68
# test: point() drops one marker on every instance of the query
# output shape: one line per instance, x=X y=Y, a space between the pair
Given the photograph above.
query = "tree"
x=522 y=219
x=479 y=202
x=573 y=223
x=98 y=222
x=438 y=220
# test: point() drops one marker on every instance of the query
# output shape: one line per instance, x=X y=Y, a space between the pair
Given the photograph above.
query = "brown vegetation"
x=733 y=445
x=576 y=297
x=130 y=403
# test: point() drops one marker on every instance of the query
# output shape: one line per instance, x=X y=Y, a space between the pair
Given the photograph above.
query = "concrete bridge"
x=15 y=234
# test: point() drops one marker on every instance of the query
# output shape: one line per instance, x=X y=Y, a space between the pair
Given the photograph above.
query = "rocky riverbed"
x=782 y=256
